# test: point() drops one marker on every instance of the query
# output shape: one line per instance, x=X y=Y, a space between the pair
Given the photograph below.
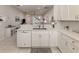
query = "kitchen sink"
x=39 y=28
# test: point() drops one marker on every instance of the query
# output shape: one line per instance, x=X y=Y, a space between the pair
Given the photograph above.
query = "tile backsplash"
x=72 y=25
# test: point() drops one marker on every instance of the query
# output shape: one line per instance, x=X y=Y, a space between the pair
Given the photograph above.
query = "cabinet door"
x=69 y=46
x=61 y=43
x=44 y=37
x=2 y=31
x=63 y=12
x=76 y=46
x=24 y=39
x=74 y=12
x=64 y=45
x=53 y=38
x=56 y=12
x=35 y=39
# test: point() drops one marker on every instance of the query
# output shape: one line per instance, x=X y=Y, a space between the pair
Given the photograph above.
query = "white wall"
x=11 y=12
x=28 y=18
x=48 y=15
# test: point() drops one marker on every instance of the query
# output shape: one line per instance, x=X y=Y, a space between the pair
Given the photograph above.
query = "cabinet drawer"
x=76 y=43
x=24 y=38
x=76 y=49
x=69 y=39
x=23 y=44
x=23 y=31
x=71 y=47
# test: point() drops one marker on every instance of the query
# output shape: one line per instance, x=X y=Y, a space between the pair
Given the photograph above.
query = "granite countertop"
x=71 y=34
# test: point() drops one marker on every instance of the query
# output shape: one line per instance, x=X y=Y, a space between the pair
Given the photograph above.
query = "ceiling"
x=34 y=9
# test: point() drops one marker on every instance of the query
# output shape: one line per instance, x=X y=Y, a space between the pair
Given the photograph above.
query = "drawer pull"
x=73 y=41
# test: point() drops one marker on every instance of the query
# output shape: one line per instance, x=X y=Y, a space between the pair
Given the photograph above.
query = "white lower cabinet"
x=67 y=44
x=45 y=39
x=53 y=38
x=23 y=38
x=35 y=39
x=40 y=38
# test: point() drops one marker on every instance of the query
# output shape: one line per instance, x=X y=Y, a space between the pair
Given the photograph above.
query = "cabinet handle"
x=73 y=41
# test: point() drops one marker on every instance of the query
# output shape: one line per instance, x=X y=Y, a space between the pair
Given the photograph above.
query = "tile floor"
x=9 y=45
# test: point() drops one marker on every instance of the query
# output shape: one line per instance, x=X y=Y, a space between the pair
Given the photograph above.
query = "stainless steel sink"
x=39 y=28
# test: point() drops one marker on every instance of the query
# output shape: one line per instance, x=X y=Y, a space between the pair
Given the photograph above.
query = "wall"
x=72 y=25
x=28 y=18
x=11 y=13
x=48 y=15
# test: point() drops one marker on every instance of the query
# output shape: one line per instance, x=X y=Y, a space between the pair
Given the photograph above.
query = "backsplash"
x=72 y=25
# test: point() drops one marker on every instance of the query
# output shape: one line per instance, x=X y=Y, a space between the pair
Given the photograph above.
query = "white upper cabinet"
x=73 y=12
x=56 y=12
x=66 y=12
x=61 y=12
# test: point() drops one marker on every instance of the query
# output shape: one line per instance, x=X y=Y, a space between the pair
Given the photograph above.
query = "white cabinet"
x=62 y=43
x=74 y=12
x=45 y=39
x=23 y=38
x=56 y=12
x=67 y=44
x=61 y=12
x=66 y=12
x=53 y=38
x=40 y=38
x=35 y=39
x=2 y=31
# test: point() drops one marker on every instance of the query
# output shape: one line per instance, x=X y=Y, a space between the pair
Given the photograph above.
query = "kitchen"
x=39 y=28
